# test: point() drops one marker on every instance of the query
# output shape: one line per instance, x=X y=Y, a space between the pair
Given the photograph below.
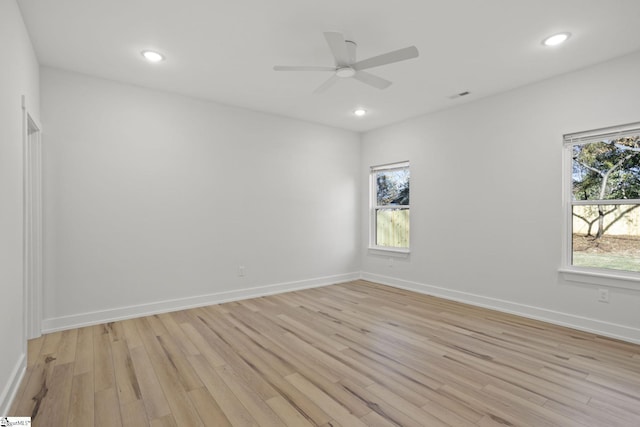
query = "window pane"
x=607 y=170
x=392 y=228
x=606 y=236
x=392 y=187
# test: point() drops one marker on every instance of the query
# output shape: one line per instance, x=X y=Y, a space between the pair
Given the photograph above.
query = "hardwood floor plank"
x=259 y=346
x=107 y=409
x=317 y=339
x=328 y=361
x=156 y=325
x=412 y=385
x=166 y=421
x=84 y=351
x=592 y=389
x=184 y=372
x=168 y=377
x=373 y=419
x=615 y=409
x=287 y=413
x=33 y=352
x=81 y=412
x=209 y=410
x=505 y=411
x=155 y=402
x=413 y=411
x=202 y=345
x=446 y=415
x=222 y=336
x=131 y=334
x=302 y=403
x=67 y=347
x=55 y=410
x=339 y=412
x=37 y=387
x=380 y=406
x=114 y=330
x=125 y=375
x=588 y=416
x=552 y=417
x=233 y=409
x=258 y=408
x=104 y=375
x=34 y=347
x=178 y=335
x=51 y=344
x=133 y=414
x=346 y=355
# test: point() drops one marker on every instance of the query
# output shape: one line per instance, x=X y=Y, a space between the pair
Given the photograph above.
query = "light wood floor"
x=345 y=355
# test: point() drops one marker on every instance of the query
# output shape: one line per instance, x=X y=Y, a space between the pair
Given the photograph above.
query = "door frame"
x=32 y=225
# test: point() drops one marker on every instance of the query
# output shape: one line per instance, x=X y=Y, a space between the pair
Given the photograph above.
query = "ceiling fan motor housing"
x=345 y=72
x=346 y=65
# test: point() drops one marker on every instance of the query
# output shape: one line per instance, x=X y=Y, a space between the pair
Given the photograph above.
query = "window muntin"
x=390 y=196
x=604 y=200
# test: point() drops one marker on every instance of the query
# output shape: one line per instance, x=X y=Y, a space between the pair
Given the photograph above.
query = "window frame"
x=374 y=207
x=591 y=275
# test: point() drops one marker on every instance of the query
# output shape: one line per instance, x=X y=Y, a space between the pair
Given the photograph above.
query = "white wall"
x=137 y=219
x=18 y=76
x=153 y=200
x=500 y=159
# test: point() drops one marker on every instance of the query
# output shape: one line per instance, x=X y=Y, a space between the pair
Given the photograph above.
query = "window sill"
x=381 y=250
x=598 y=277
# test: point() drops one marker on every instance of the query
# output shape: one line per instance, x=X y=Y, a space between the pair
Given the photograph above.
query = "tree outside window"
x=605 y=197
x=390 y=206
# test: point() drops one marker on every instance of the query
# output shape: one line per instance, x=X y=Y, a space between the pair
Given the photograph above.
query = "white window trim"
x=588 y=275
x=372 y=211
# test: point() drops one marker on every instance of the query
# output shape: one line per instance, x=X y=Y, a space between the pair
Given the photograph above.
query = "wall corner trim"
x=128 y=312
x=13 y=383
x=611 y=330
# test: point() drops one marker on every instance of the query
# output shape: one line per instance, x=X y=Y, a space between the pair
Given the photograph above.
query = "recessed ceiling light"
x=360 y=112
x=152 y=56
x=556 y=39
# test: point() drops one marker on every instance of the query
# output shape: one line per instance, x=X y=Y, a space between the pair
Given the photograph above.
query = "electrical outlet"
x=390 y=261
x=603 y=295
x=241 y=270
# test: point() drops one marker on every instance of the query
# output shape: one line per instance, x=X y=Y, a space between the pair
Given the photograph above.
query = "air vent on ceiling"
x=458 y=95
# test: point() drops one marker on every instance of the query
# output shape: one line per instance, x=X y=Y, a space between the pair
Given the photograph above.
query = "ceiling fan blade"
x=326 y=85
x=338 y=48
x=302 y=68
x=387 y=58
x=371 y=80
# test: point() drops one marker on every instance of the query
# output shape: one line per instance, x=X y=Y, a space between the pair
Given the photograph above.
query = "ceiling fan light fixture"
x=556 y=39
x=344 y=55
x=152 y=56
x=359 y=112
x=345 y=72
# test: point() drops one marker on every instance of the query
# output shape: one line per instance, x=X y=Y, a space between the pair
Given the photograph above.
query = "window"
x=390 y=207
x=603 y=200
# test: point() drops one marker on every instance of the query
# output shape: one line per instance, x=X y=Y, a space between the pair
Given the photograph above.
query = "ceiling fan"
x=344 y=53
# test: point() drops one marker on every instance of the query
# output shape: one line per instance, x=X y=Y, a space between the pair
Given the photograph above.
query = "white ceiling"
x=224 y=50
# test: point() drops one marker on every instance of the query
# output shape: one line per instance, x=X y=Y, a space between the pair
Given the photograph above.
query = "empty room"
x=335 y=214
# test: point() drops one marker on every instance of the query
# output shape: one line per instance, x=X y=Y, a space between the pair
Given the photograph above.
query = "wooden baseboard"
x=128 y=312
x=612 y=330
x=13 y=383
